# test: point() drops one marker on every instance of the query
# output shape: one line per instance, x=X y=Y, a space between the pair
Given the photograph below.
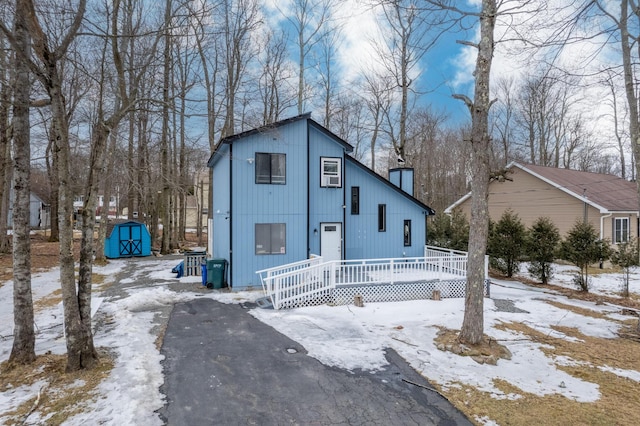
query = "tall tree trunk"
x=50 y=74
x=5 y=151
x=473 y=322
x=100 y=135
x=165 y=196
x=23 y=350
x=72 y=321
x=630 y=89
x=104 y=219
x=52 y=172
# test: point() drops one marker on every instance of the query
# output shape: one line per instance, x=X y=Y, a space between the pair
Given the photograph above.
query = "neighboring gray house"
x=39 y=211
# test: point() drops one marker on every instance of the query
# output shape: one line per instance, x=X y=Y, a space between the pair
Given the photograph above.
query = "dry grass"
x=618 y=404
x=63 y=395
x=577 y=310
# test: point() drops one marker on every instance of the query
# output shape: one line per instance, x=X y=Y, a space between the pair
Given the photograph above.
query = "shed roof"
x=608 y=193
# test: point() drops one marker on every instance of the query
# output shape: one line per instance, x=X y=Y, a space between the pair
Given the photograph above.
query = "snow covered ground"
x=344 y=336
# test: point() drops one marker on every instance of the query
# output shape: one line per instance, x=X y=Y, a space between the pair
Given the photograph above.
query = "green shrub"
x=582 y=247
x=506 y=241
x=449 y=231
x=541 y=246
x=626 y=256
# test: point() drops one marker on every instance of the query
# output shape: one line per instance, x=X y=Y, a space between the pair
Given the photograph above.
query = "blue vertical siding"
x=363 y=240
x=325 y=204
x=221 y=208
x=403 y=179
x=302 y=204
x=267 y=203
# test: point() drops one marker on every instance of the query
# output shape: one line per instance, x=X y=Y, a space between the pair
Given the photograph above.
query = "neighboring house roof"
x=306 y=116
x=428 y=209
x=607 y=193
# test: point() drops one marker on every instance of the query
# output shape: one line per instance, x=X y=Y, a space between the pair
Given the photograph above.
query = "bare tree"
x=480 y=142
x=50 y=52
x=274 y=91
x=503 y=118
x=377 y=95
x=165 y=143
x=23 y=350
x=5 y=145
x=619 y=115
x=473 y=322
x=326 y=63
x=408 y=33
x=241 y=20
x=308 y=19
x=425 y=152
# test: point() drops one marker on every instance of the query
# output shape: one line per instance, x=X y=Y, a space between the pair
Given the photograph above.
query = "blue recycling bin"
x=203 y=269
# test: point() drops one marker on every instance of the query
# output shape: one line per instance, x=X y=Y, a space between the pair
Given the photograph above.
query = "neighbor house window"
x=620 y=230
x=271 y=238
x=271 y=168
x=355 y=200
x=407 y=233
x=331 y=169
x=382 y=217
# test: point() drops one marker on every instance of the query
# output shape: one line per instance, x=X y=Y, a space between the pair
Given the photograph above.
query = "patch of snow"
x=343 y=336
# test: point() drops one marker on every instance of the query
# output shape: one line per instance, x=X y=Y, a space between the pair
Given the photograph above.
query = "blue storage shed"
x=127 y=239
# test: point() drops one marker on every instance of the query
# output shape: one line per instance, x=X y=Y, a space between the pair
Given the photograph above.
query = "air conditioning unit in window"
x=331 y=181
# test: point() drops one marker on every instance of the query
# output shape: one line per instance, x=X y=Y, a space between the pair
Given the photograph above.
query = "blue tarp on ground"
x=179 y=269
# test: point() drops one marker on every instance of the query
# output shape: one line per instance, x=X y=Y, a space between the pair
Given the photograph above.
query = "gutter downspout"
x=343 y=244
x=231 y=213
x=308 y=194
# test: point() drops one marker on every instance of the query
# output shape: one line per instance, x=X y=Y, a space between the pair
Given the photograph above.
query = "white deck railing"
x=269 y=273
x=311 y=281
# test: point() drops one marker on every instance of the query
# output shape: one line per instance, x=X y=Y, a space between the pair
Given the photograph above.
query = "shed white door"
x=331 y=241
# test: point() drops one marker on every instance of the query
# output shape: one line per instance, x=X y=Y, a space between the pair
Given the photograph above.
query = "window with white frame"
x=331 y=172
x=620 y=230
x=271 y=238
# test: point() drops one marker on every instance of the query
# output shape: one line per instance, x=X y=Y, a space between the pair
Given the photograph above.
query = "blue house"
x=288 y=190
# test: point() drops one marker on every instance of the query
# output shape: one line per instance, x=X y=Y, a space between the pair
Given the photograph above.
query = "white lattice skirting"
x=397 y=292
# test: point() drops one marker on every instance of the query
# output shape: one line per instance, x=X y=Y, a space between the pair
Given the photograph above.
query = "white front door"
x=331 y=241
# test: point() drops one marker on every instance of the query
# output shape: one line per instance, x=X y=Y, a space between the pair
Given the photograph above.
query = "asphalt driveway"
x=224 y=367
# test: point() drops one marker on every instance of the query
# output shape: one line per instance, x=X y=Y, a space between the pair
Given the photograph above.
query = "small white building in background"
x=39 y=211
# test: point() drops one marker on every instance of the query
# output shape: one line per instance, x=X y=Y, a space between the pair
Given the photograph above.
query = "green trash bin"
x=216 y=273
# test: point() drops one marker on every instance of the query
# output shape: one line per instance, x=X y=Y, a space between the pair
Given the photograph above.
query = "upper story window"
x=620 y=230
x=382 y=217
x=271 y=168
x=331 y=172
